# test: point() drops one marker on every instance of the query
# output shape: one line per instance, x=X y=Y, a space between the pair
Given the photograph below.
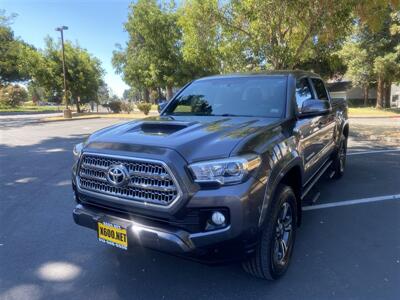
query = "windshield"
x=260 y=96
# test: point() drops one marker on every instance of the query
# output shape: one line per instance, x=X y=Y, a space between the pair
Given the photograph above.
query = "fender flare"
x=273 y=182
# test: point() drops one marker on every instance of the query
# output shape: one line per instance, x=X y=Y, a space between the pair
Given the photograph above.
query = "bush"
x=115 y=106
x=153 y=95
x=12 y=95
x=127 y=107
x=144 y=107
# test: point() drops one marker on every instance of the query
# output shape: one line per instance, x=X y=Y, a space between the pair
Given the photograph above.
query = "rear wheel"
x=339 y=162
x=274 y=250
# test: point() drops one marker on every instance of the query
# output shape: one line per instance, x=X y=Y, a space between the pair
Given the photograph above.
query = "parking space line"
x=374 y=151
x=352 y=202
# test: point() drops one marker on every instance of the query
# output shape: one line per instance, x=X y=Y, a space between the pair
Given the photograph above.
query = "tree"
x=240 y=35
x=126 y=95
x=359 y=66
x=12 y=95
x=387 y=65
x=10 y=52
x=380 y=47
x=36 y=93
x=103 y=93
x=256 y=34
x=152 y=55
x=325 y=62
x=83 y=71
x=201 y=36
x=387 y=68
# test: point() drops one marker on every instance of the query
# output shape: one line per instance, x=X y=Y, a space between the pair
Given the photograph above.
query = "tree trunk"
x=169 y=92
x=146 y=95
x=366 y=90
x=388 y=88
x=78 y=109
x=380 y=93
x=159 y=93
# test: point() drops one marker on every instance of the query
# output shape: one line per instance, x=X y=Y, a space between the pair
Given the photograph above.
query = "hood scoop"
x=160 y=128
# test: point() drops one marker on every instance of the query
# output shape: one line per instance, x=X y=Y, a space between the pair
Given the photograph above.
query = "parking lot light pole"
x=67 y=111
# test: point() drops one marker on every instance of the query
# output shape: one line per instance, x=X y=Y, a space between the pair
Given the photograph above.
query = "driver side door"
x=311 y=130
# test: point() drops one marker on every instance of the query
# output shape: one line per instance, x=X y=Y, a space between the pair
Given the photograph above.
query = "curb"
x=67 y=120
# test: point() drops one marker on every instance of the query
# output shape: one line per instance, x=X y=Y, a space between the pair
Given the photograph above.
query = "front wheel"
x=274 y=250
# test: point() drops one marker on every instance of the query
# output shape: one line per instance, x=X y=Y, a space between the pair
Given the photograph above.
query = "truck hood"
x=196 y=138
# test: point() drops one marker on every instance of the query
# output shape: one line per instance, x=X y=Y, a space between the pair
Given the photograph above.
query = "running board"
x=315 y=179
x=312 y=197
x=315 y=198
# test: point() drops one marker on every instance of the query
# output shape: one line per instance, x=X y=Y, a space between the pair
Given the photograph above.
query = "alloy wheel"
x=283 y=235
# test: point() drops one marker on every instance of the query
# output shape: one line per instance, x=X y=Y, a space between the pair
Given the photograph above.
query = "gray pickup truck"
x=221 y=174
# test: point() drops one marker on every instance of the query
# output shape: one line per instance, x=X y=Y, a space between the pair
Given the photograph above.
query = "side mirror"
x=314 y=107
x=162 y=105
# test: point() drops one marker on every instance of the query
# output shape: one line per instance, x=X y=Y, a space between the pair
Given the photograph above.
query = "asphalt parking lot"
x=344 y=250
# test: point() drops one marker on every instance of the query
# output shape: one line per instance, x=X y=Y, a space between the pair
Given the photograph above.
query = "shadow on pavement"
x=44 y=255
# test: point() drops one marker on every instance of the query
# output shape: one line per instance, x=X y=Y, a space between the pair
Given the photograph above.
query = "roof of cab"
x=294 y=73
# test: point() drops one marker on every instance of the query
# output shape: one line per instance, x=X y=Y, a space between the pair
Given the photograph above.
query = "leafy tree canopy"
x=10 y=52
x=372 y=52
x=152 y=56
x=83 y=71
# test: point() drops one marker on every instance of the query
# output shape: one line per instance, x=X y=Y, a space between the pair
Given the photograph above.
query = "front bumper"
x=242 y=202
x=166 y=239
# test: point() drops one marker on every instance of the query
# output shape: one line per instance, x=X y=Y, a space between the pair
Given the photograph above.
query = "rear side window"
x=320 y=89
x=303 y=91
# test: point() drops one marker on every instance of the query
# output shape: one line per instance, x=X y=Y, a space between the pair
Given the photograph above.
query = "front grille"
x=149 y=181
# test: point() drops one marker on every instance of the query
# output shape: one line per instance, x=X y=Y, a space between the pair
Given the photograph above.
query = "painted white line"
x=352 y=202
x=372 y=152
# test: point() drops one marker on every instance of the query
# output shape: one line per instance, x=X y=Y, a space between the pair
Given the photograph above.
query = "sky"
x=97 y=25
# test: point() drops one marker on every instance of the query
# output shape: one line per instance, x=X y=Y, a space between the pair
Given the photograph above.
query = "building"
x=395 y=96
x=354 y=95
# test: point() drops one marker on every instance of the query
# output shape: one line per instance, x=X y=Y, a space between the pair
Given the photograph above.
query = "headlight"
x=77 y=151
x=225 y=171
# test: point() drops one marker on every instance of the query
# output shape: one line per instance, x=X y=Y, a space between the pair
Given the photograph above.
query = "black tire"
x=269 y=261
x=339 y=161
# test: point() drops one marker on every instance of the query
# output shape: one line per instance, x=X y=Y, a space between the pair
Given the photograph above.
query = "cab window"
x=303 y=91
x=320 y=89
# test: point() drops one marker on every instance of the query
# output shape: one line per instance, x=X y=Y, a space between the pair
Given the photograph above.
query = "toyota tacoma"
x=221 y=174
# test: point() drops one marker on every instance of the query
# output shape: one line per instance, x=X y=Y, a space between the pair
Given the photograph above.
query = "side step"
x=314 y=180
x=312 y=197
x=331 y=174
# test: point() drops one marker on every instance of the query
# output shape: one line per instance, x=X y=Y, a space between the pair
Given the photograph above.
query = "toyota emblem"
x=117 y=175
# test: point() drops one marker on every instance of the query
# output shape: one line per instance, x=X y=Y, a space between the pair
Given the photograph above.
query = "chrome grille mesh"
x=149 y=181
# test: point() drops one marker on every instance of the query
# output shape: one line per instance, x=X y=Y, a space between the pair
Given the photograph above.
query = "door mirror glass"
x=313 y=107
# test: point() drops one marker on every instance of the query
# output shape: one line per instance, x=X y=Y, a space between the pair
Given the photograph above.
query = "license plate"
x=112 y=234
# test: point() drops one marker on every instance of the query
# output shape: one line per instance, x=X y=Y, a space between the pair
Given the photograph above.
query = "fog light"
x=218 y=218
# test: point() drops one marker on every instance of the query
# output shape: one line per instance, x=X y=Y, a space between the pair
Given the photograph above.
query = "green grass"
x=31 y=108
x=373 y=112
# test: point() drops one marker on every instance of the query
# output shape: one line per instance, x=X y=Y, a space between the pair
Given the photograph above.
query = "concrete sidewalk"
x=5 y=116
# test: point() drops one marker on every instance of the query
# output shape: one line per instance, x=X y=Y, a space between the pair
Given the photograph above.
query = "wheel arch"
x=291 y=175
x=293 y=178
x=346 y=130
